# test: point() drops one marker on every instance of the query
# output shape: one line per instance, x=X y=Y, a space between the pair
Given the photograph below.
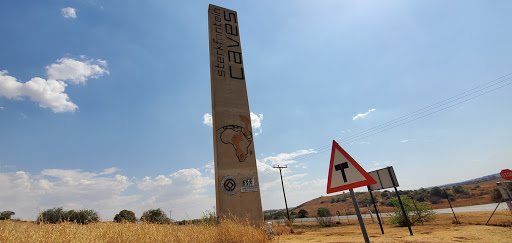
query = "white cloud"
x=256 y=120
x=50 y=93
x=1 y=108
x=362 y=115
x=67 y=69
x=207 y=119
x=184 y=191
x=287 y=158
x=187 y=192
x=23 y=116
x=380 y=164
x=406 y=140
x=68 y=12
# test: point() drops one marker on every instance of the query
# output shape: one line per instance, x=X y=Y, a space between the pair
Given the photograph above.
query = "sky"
x=107 y=104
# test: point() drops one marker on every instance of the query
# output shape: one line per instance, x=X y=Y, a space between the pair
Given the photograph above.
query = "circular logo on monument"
x=229 y=185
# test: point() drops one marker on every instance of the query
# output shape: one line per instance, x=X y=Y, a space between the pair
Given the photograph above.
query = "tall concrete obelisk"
x=236 y=174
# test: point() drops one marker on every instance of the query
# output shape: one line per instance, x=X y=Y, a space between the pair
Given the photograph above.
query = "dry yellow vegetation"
x=226 y=231
x=471 y=229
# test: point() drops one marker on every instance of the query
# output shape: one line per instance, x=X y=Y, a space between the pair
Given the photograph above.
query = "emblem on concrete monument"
x=240 y=137
x=229 y=185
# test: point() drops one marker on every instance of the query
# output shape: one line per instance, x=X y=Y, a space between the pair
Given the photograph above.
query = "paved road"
x=475 y=208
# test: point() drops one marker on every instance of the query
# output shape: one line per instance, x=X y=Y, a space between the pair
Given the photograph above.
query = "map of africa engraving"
x=240 y=137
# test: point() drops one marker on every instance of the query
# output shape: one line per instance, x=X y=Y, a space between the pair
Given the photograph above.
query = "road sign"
x=506 y=174
x=385 y=178
x=344 y=172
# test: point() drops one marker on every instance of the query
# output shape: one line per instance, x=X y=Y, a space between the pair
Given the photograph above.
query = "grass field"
x=442 y=229
x=226 y=231
x=471 y=229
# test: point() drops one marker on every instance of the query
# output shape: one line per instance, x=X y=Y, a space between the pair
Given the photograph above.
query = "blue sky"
x=103 y=103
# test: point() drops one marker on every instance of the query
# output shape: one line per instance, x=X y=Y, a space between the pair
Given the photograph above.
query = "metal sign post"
x=406 y=217
x=376 y=211
x=361 y=222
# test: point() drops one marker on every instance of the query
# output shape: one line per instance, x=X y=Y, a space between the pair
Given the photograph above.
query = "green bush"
x=436 y=192
x=496 y=195
x=459 y=190
x=434 y=199
x=426 y=212
x=302 y=214
x=155 y=216
x=323 y=212
x=52 y=216
x=84 y=216
x=6 y=215
x=125 y=216
x=419 y=198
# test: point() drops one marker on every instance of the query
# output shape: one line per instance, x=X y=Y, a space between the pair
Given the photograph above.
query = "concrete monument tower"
x=236 y=174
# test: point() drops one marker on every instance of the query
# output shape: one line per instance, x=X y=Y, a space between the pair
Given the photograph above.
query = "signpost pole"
x=417 y=211
x=361 y=222
x=446 y=194
x=406 y=217
x=493 y=213
x=376 y=211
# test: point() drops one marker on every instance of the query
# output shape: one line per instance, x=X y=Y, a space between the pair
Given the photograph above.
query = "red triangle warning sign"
x=344 y=172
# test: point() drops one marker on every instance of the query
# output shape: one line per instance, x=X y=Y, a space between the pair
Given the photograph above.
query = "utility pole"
x=282 y=184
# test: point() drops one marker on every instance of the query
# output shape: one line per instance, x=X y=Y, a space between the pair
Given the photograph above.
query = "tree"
x=323 y=212
x=5 y=215
x=436 y=191
x=426 y=212
x=52 y=216
x=302 y=214
x=125 y=216
x=155 y=216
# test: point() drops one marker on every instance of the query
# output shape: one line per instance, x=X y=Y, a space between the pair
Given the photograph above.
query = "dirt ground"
x=472 y=228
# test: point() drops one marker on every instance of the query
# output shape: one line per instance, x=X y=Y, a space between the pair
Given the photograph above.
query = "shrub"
x=155 y=216
x=436 y=191
x=323 y=212
x=426 y=212
x=459 y=190
x=52 y=216
x=325 y=221
x=125 y=216
x=302 y=213
x=84 y=216
x=434 y=199
x=419 y=198
x=389 y=203
x=496 y=195
x=6 y=215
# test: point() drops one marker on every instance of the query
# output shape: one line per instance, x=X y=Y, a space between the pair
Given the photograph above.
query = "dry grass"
x=226 y=231
x=471 y=229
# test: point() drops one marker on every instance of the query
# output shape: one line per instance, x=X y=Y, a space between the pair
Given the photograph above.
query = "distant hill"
x=474 y=181
x=476 y=192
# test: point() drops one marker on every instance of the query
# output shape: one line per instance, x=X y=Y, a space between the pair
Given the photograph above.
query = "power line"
x=421 y=113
